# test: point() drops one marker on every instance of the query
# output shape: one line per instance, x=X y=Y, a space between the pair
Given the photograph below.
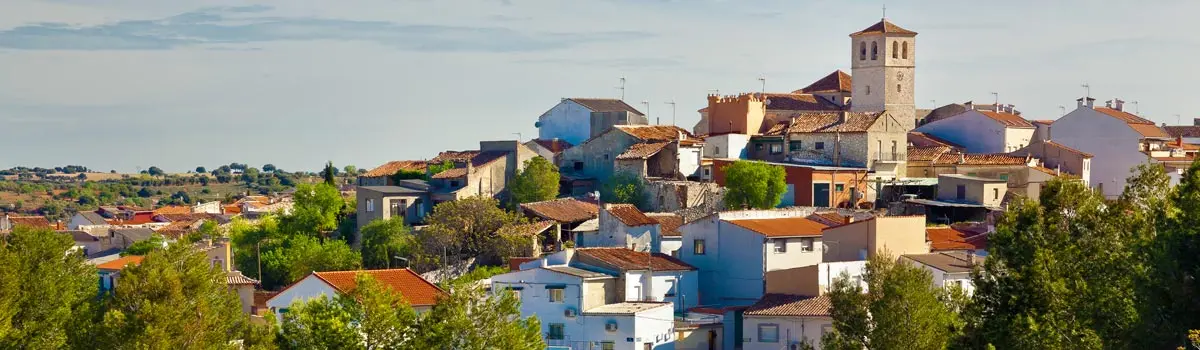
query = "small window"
x=706 y=172
x=905 y=50
x=819 y=145
x=717 y=150
x=839 y=188
x=578 y=166
x=1004 y=177
x=895 y=49
x=874 y=50
x=962 y=192
x=768 y=333
x=670 y=289
x=698 y=247
x=780 y=245
x=370 y=205
x=868 y=89
x=795 y=146
x=776 y=148
x=758 y=147
x=995 y=193
x=556 y=331
x=454 y=183
x=806 y=244
x=606 y=156
x=556 y=295
x=897 y=87
x=607 y=345
x=862 y=51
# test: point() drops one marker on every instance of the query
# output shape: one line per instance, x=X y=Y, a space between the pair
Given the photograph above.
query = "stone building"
x=484 y=173
x=649 y=150
x=572 y=119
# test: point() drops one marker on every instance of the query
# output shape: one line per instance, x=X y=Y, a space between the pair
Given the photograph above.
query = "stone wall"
x=673 y=196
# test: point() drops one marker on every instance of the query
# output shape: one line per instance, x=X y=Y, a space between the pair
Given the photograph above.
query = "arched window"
x=862 y=50
x=874 y=50
x=897 y=87
x=906 y=50
x=895 y=49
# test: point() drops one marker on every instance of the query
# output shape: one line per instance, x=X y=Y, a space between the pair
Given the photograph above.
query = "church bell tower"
x=883 y=59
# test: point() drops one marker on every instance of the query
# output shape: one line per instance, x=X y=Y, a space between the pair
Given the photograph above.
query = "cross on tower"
x=885 y=11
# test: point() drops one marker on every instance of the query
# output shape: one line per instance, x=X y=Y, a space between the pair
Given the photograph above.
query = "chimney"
x=971 y=257
x=970 y=105
x=1119 y=104
x=1091 y=102
x=842 y=117
x=997 y=107
x=1079 y=103
x=1108 y=104
x=1196 y=121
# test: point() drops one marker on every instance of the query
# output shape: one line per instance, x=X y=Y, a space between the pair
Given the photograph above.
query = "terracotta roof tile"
x=451 y=173
x=629 y=215
x=643 y=150
x=173 y=209
x=829 y=218
x=1008 y=119
x=921 y=139
x=1124 y=116
x=884 y=26
x=952 y=262
x=30 y=221
x=797 y=102
x=627 y=259
x=1182 y=130
x=782 y=227
x=1149 y=130
x=948 y=238
x=454 y=156
x=1043 y=121
x=120 y=263
x=790 y=305
x=814 y=122
x=668 y=223
x=606 y=105
x=416 y=290
x=654 y=132
x=926 y=153
x=564 y=210
x=390 y=168
x=514 y=263
x=261 y=297
x=979 y=159
x=1174 y=159
x=235 y=278
x=529 y=229
x=141 y=217
x=554 y=145
x=838 y=81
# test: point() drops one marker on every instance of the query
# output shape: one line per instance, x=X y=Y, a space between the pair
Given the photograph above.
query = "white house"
x=582 y=309
x=670 y=239
x=951 y=268
x=571 y=119
x=643 y=276
x=996 y=131
x=622 y=225
x=213 y=207
x=729 y=145
x=1115 y=138
x=89 y=222
x=418 y=292
x=734 y=251
x=784 y=321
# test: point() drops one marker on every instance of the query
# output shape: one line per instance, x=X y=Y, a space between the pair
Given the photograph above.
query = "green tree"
x=155 y=171
x=316 y=209
x=624 y=187
x=330 y=174
x=1168 y=221
x=46 y=291
x=466 y=228
x=173 y=299
x=384 y=239
x=435 y=168
x=270 y=168
x=407 y=175
x=155 y=242
x=372 y=316
x=903 y=310
x=320 y=323
x=201 y=170
x=469 y=318
x=299 y=255
x=350 y=170
x=754 y=184
x=537 y=182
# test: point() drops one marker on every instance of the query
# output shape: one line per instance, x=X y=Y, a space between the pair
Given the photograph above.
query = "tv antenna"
x=672 y=103
x=622 y=88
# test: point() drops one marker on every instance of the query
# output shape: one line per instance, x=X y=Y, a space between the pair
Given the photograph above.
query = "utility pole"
x=764 y=85
x=1062 y=110
x=996 y=99
x=622 y=88
x=647 y=104
x=672 y=103
x=1135 y=108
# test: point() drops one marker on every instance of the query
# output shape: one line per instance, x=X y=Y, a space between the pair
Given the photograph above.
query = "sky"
x=125 y=85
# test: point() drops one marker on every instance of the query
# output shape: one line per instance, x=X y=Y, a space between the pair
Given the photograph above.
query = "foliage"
x=384 y=239
x=155 y=171
x=350 y=170
x=299 y=255
x=155 y=242
x=1169 y=290
x=624 y=187
x=466 y=228
x=537 y=182
x=407 y=175
x=904 y=309
x=270 y=168
x=478 y=274
x=201 y=170
x=754 y=184
x=46 y=291
x=319 y=323
x=316 y=209
x=434 y=169
x=330 y=174
x=173 y=299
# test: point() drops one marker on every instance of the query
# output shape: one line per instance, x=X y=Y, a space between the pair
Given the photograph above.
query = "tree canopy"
x=754 y=184
x=47 y=291
x=537 y=182
x=382 y=240
x=470 y=227
x=624 y=187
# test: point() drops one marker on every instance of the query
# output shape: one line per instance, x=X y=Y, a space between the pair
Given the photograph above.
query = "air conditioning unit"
x=611 y=327
x=569 y=313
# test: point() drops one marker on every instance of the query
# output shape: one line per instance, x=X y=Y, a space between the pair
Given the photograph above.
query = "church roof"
x=838 y=81
x=797 y=102
x=884 y=27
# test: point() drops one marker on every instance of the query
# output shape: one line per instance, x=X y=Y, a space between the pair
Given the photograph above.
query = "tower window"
x=906 y=50
x=897 y=87
x=862 y=50
x=895 y=49
x=874 y=50
x=868 y=89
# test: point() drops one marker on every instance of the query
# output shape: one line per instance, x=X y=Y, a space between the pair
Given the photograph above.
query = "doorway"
x=820 y=195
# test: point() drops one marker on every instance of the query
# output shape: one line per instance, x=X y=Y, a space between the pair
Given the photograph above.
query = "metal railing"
x=891 y=157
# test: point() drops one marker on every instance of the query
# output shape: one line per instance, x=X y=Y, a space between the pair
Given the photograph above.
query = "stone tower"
x=883 y=60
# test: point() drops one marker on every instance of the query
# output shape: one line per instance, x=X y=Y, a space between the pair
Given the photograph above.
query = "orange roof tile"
x=884 y=26
x=565 y=210
x=948 y=238
x=1042 y=121
x=629 y=215
x=1008 y=119
x=815 y=122
x=451 y=173
x=643 y=150
x=926 y=153
x=120 y=263
x=654 y=132
x=782 y=227
x=1149 y=130
x=921 y=139
x=790 y=305
x=829 y=218
x=453 y=156
x=416 y=290
x=627 y=259
x=838 y=81
x=30 y=221
x=669 y=223
x=554 y=145
x=1124 y=116
x=514 y=263
x=173 y=209
x=390 y=168
x=797 y=102
x=980 y=159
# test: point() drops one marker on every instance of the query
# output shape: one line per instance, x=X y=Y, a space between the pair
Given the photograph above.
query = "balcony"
x=890 y=157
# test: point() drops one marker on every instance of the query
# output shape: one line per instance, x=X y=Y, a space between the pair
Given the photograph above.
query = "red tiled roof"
x=884 y=27
x=529 y=229
x=565 y=210
x=235 y=278
x=554 y=145
x=1043 y=121
x=1174 y=159
x=668 y=223
x=121 y=262
x=829 y=218
x=1068 y=149
x=1149 y=130
x=790 y=305
x=1124 y=116
x=979 y=159
x=451 y=173
x=30 y=221
x=654 y=132
x=838 y=81
x=813 y=122
x=948 y=238
x=141 y=217
x=390 y=168
x=261 y=297
x=926 y=153
x=797 y=102
x=629 y=215
x=627 y=259
x=643 y=150
x=1008 y=119
x=453 y=156
x=606 y=105
x=782 y=227
x=514 y=263
x=921 y=139
x=416 y=290
x=173 y=209
x=1183 y=130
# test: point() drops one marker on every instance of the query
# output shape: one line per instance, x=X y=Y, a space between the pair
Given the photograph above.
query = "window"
x=905 y=50
x=454 y=183
x=862 y=51
x=758 y=147
x=874 y=50
x=698 y=247
x=807 y=243
x=780 y=246
x=370 y=205
x=717 y=150
x=819 y=145
x=670 y=288
x=768 y=333
x=895 y=49
x=706 y=171
x=796 y=146
x=556 y=295
x=398 y=207
x=962 y=192
x=868 y=89
x=995 y=193
x=839 y=188
x=578 y=166
x=556 y=331
x=606 y=156
x=897 y=87
x=1004 y=177
x=607 y=345
x=776 y=148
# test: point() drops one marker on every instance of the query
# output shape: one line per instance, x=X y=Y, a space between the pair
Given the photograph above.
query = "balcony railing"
x=891 y=157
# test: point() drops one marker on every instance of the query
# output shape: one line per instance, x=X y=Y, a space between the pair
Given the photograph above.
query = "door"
x=820 y=195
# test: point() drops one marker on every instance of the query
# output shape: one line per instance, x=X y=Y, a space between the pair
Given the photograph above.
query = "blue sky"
x=126 y=84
